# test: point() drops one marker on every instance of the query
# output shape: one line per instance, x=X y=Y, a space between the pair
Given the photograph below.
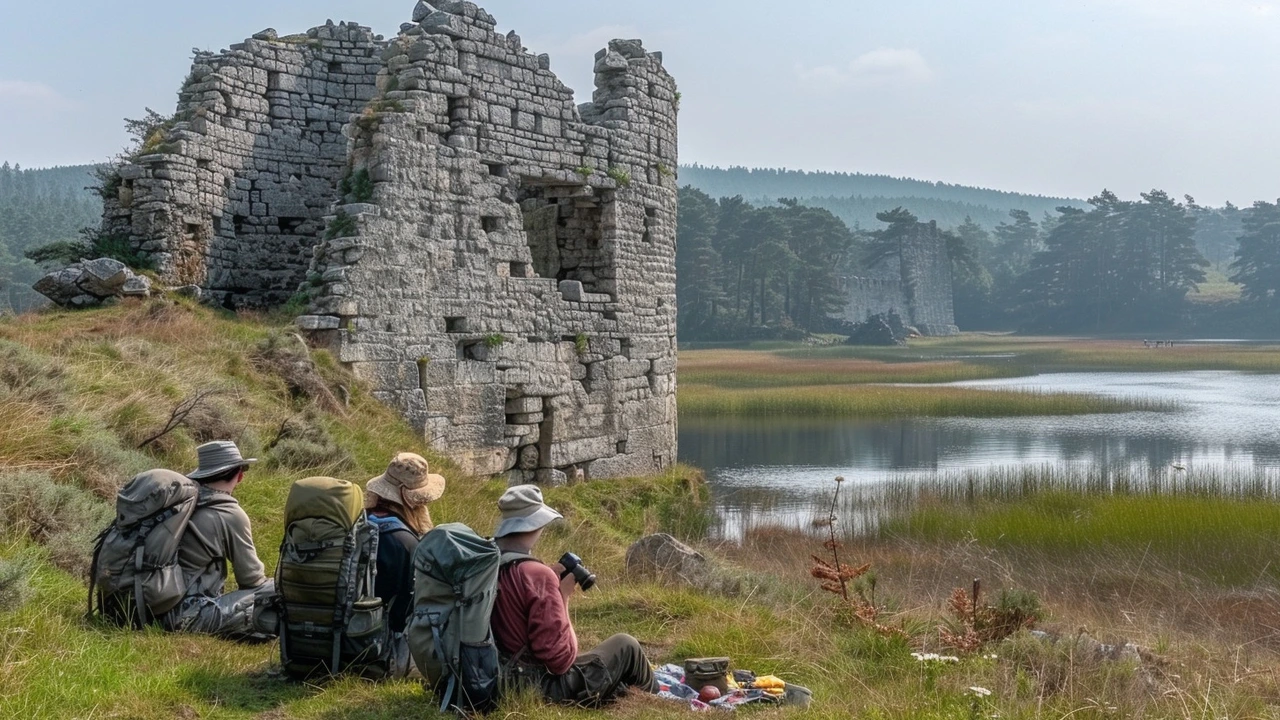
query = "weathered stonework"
x=917 y=286
x=499 y=262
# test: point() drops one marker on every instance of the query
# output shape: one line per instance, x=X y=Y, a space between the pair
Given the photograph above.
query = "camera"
x=584 y=577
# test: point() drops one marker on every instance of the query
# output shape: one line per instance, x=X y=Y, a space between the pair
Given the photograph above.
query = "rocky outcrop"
x=92 y=282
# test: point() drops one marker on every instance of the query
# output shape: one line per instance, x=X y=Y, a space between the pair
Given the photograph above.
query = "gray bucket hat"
x=218 y=457
x=523 y=511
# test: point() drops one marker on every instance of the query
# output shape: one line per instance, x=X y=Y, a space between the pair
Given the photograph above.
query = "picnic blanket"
x=743 y=690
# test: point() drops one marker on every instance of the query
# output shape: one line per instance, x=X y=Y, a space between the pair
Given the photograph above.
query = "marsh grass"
x=886 y=401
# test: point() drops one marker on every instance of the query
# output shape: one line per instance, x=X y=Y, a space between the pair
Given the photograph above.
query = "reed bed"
x=738 y=369
x=1030 y=355
x=1219 y=523
x=888 y=401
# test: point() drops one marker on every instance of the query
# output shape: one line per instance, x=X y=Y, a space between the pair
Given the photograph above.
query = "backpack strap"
x=93 y=569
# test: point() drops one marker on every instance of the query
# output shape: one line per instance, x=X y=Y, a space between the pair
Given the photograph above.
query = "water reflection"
x=770 y=469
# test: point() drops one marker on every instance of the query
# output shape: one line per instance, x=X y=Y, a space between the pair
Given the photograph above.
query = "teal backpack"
x=455 y=586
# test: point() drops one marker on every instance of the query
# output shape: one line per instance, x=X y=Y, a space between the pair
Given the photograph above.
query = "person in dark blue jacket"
x=396 y=501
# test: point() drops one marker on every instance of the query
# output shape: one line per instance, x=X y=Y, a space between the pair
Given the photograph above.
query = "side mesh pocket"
x=478 y=671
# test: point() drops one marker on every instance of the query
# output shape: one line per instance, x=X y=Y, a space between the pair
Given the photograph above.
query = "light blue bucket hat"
x=524 y=511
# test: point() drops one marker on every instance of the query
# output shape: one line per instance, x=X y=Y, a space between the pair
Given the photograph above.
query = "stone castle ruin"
x=497 y=261
x=917 y=286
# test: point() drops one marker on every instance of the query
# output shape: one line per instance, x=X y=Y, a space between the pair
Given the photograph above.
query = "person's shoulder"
x=535 y=571
x=221 y=503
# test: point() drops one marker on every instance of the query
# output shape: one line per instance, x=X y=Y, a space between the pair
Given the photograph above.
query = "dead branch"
x=179 y=415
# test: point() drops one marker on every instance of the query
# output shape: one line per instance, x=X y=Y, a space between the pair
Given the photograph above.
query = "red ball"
x=709 y=693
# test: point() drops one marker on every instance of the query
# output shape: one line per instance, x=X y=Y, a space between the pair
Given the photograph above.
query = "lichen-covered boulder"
x=662 y=556
x=92 y=282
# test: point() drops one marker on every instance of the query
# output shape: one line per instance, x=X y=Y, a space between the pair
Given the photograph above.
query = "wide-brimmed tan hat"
x=408 y=481
x=523 y=511
x=218 y=457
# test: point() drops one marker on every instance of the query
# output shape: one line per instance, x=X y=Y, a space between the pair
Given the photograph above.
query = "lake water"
x=772 y=469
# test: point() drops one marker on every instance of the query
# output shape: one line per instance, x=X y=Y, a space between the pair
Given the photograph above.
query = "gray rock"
x=136 y=286
x=318 y=322
x=103 y=277
x=421 y=11
x=663 y=557
x=612 y=62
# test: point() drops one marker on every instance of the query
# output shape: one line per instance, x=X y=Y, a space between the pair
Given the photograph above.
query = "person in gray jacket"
x=219 y=533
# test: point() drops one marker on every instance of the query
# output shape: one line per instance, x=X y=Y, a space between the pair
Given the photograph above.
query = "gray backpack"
x=135 y=577
x=455 y=586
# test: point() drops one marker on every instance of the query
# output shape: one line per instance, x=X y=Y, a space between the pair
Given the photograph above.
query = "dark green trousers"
x=603 y=674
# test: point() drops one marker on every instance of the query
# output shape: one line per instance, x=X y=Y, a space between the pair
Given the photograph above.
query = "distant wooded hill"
x=38 y=207
x=856 y=198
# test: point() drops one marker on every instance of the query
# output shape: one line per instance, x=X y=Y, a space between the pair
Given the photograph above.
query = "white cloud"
x=884 y=66
x=21 y=93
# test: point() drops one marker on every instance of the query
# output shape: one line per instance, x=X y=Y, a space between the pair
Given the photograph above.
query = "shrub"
x=343 y=225
x=14 y=588
x=359 y=185
x=29 y=377
x=286 y=356
x=304 y=443
x=494 y=341
x=92 y=244
x=62 y=518
x=580 y=344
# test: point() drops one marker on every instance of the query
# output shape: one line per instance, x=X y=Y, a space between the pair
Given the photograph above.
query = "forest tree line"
x=776 y=270
x=39 y=208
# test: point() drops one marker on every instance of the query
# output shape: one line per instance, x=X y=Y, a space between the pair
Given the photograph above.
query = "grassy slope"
x=100 y=381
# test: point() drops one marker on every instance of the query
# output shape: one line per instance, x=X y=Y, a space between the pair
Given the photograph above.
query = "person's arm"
x=552 y=640
x=240 y=549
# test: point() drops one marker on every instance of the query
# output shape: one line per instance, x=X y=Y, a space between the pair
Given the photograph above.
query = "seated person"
x=531 y=623
x=396 y=501
x=219 y=532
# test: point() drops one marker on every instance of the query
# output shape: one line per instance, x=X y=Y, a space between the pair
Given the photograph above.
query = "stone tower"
x=497 y=261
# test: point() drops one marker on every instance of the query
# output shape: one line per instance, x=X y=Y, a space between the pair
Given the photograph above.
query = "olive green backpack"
x=329 y=620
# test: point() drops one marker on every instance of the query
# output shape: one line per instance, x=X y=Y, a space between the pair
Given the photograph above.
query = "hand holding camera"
x=581 y=575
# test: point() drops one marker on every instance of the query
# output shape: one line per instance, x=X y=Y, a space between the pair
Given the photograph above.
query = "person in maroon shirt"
x=530 y=620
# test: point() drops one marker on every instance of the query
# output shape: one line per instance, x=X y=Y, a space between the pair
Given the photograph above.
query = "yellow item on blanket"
x=733 y=684
x=769 y=682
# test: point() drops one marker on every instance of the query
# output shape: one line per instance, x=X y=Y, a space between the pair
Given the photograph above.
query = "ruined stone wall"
x=233 y=197
x=497 y=261
x=917 y=286
x=927 y=283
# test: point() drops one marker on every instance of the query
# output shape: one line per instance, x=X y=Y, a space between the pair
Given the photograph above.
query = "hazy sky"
x=1044 y=96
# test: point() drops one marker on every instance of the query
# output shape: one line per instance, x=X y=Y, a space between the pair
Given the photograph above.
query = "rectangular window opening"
x=335 y=67
x=498 y=170
x=625 y=344
x=491 y=223
x=238 y=224
x=202 y=164
x=519 y=270
x=455 y=324
x=273 y=81
x=193 y=230
x=289 y=225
